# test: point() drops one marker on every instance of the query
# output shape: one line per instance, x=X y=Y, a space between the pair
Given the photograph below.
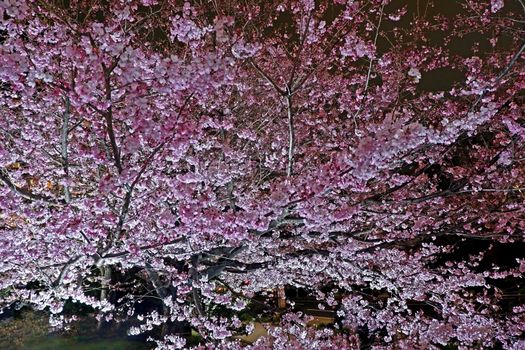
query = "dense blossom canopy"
x=203 y=152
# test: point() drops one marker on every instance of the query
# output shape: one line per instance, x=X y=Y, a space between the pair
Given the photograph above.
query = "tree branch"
x=108 y=116
x=4 y=176
x=300 y=50
x=64 y=136
x=155 y=280
x=291 y=133
x=368 y=74
x=64 y=269
x=195 y=291
x=127 y=200
x=267 y=77
x=500 y=76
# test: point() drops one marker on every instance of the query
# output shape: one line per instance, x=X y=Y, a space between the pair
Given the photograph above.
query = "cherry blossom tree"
x=200 y=153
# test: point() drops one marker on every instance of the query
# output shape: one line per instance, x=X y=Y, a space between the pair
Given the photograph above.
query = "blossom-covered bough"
x=202 y=152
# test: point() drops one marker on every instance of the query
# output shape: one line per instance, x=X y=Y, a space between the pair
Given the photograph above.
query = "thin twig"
x=369 y=73
x=300 y=50
x=503 y=73
x=291 y=134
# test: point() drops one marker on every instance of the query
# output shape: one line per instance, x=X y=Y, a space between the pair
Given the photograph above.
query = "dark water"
x=64 y=343
x=29 y=330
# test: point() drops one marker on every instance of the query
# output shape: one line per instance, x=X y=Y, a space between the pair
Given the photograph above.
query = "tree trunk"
x=281 y=297
x=105 y=274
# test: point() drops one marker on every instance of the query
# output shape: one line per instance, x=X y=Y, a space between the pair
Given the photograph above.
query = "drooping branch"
x=224 y=262
x=253 y=300
x=155 y=280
